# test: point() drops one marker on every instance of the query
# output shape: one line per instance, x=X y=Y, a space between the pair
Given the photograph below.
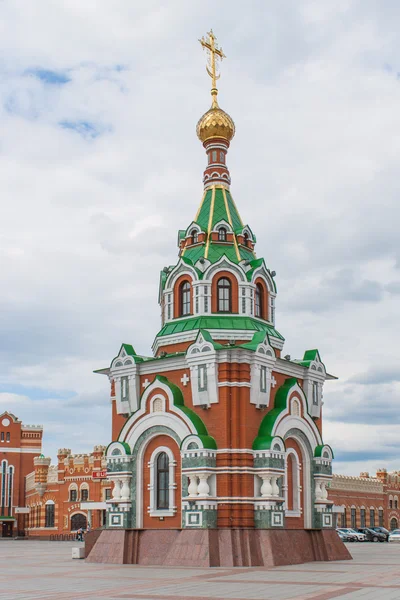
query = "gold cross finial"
x=215 y=54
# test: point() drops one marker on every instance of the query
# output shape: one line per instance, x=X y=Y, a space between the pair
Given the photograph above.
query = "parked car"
x=371 y=535
x=346 y=537
x=394 y=536
x=360 y=537
x=382 y=530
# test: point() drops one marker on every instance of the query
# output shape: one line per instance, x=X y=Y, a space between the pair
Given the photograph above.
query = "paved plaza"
x=45 y=570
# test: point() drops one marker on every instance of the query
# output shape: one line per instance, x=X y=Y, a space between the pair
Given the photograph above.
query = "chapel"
x=217 y=438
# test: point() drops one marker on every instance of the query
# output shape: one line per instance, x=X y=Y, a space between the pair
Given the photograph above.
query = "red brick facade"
x=367 y=501
x=54 y=493
x=19 y=445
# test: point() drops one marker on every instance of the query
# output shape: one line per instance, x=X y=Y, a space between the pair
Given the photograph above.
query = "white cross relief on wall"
x=273 y=381
x=145 y=383
x=185 y=379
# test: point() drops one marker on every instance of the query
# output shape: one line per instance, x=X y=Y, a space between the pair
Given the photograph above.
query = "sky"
x=100 y=166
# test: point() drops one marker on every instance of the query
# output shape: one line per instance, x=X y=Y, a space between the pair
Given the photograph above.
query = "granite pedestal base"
x=215 y=547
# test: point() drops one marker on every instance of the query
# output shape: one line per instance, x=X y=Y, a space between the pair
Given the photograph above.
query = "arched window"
x=222 y=234
x=49 y=513
x=224 y=295
x=10 y=484
x=162 y=481
x=246 y=239
x=185 y=299
x=195 y=236
x=344 y=518
x=259 y=301
x=84 y=492
x=73 y=494
x=371 y=517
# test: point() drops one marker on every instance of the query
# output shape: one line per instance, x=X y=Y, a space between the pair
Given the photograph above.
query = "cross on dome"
x=215 y=123
x=214 y=55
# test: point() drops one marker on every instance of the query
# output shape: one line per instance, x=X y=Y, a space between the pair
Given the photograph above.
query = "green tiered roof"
x=218 y=205
x=218 y=322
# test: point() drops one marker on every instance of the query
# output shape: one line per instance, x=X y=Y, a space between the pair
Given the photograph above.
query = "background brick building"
x=71 y=494
x=19 y=445
x=367 y=501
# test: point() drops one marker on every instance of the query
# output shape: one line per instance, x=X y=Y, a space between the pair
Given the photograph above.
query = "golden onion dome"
x=215 y=123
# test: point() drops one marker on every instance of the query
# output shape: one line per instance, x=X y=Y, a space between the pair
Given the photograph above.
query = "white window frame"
x=296 y=487
x=153 y=510
x=315 y=393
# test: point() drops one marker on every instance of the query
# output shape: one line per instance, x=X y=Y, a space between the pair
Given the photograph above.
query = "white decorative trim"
x=285 y=421
x=25 y=450
x=140 y=421
x=228 y=334
x=234 y=384
x=296 y=485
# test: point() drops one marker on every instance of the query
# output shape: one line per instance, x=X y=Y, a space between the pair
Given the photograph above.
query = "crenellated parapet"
x=361 y=484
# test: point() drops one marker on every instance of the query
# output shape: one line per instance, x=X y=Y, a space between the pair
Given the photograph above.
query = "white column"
x=324 y=491
x=193 y=485
x=318 y=491
x=125 y=489
x=116 y=493
x=274 y=485
x=266 y=488
x=203 y=488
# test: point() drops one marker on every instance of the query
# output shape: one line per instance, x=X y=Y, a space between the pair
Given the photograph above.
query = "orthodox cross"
x=214 y=55
x=185 y=379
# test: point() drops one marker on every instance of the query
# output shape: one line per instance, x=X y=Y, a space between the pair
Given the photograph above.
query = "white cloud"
x=90 y=211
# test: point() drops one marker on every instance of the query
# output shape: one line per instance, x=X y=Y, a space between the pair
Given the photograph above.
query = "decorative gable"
x=202 y=360
x=262 y=363
x=313 y=380
x=125 y=374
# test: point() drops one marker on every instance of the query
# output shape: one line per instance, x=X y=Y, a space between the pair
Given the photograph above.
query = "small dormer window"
x=195 y=237
x=315 y=393
x=246 y=239
x=222 y=234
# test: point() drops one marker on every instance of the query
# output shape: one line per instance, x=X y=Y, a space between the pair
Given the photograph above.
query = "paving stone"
x=46 y=571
